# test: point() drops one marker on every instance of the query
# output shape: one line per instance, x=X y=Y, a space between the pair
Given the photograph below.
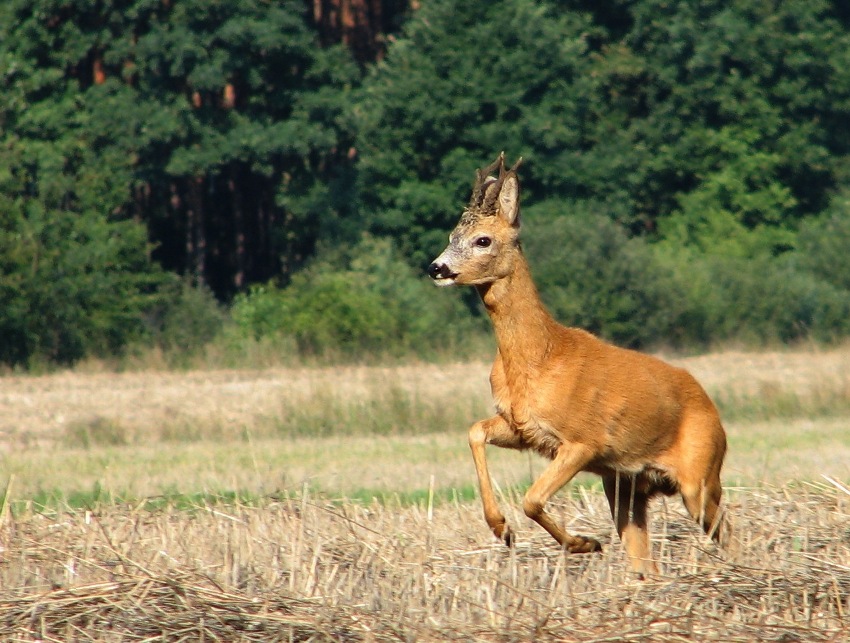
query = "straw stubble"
x=303 y=569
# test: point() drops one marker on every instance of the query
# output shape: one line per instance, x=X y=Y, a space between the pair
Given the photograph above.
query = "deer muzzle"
x=441 y=273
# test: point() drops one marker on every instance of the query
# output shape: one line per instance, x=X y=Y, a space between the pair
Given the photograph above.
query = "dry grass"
x=303 y=569
x=282 y=565
x=353 y=429
x=145 y=407
x=149 y=405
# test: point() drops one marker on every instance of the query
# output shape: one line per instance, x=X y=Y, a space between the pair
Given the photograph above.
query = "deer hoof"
x=585 y=546
x=504 y=533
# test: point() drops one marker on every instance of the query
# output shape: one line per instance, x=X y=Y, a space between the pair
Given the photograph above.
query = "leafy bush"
x=72 y=284
x=824 y=241
x=361 y=300
x=185 y=319
x=757 y=300
x=592 y=275
x=741 y=209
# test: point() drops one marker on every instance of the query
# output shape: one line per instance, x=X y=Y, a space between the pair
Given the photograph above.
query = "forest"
x=181 y=174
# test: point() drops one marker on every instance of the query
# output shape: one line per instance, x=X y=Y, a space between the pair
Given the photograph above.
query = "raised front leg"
x=570 y=459
x=495 y=431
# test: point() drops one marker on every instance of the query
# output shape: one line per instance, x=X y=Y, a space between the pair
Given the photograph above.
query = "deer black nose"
x=437 y=270
x=440 y=271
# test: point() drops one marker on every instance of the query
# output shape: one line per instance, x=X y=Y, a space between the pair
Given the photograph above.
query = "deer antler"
x=491 y=193
x=485 y=192
x=481 y=180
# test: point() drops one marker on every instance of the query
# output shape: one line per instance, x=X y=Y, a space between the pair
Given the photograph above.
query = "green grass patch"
x=98 y=498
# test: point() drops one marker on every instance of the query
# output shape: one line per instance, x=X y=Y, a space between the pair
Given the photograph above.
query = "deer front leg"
x=569 y=460
x=495 y=431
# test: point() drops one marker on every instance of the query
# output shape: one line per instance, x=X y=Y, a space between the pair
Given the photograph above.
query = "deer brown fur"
x=644 y=426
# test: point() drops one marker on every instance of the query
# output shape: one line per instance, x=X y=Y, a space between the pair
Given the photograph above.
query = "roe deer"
x=644 y=426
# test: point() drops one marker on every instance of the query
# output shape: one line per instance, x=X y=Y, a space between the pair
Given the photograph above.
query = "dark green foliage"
x=254 y=167
x=185 y=319
x=466 y=81
x=74 y=287
x=223 y=123
x=686 y=156
x=355 y=302
x=700 y=88
x=824 y=244
x=654 y=109
x=76 y=275
x=760 y=300
x=713 y=127
x=218 y=126
x=592 y=275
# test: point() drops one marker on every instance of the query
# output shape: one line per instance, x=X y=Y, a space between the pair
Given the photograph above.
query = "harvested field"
x=350 y=429
x=147 y=404
x=303 y=569
x=338 y=505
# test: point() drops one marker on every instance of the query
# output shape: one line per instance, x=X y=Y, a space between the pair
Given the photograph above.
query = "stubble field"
x=339 y=504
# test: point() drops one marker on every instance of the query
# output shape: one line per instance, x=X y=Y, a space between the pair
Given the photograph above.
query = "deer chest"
x=535 y=432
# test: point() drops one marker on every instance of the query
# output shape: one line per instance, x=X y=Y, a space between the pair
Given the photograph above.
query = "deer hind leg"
x=702 y=500
x=569 y=460
x=497 y=432
x=628 y=502
x=703 y=446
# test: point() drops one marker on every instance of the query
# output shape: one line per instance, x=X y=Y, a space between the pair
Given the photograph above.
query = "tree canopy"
x=237 y=143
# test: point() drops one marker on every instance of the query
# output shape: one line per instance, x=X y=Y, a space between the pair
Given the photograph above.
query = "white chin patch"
x=446 y=281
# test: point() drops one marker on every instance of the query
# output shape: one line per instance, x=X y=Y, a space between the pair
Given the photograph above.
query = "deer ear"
x=509 y=200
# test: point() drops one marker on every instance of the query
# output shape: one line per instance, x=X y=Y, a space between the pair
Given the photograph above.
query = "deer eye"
x=483 y=242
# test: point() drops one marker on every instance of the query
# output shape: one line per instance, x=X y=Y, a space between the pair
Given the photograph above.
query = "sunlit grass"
x=254 y=493
x=391 y=468
x=772 y=401
x=364 y=432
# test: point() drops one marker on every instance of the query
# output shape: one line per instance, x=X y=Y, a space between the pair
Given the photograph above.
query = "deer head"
x=484 y=244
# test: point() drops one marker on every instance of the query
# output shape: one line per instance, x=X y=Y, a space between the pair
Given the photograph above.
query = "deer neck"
x=523 y=326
